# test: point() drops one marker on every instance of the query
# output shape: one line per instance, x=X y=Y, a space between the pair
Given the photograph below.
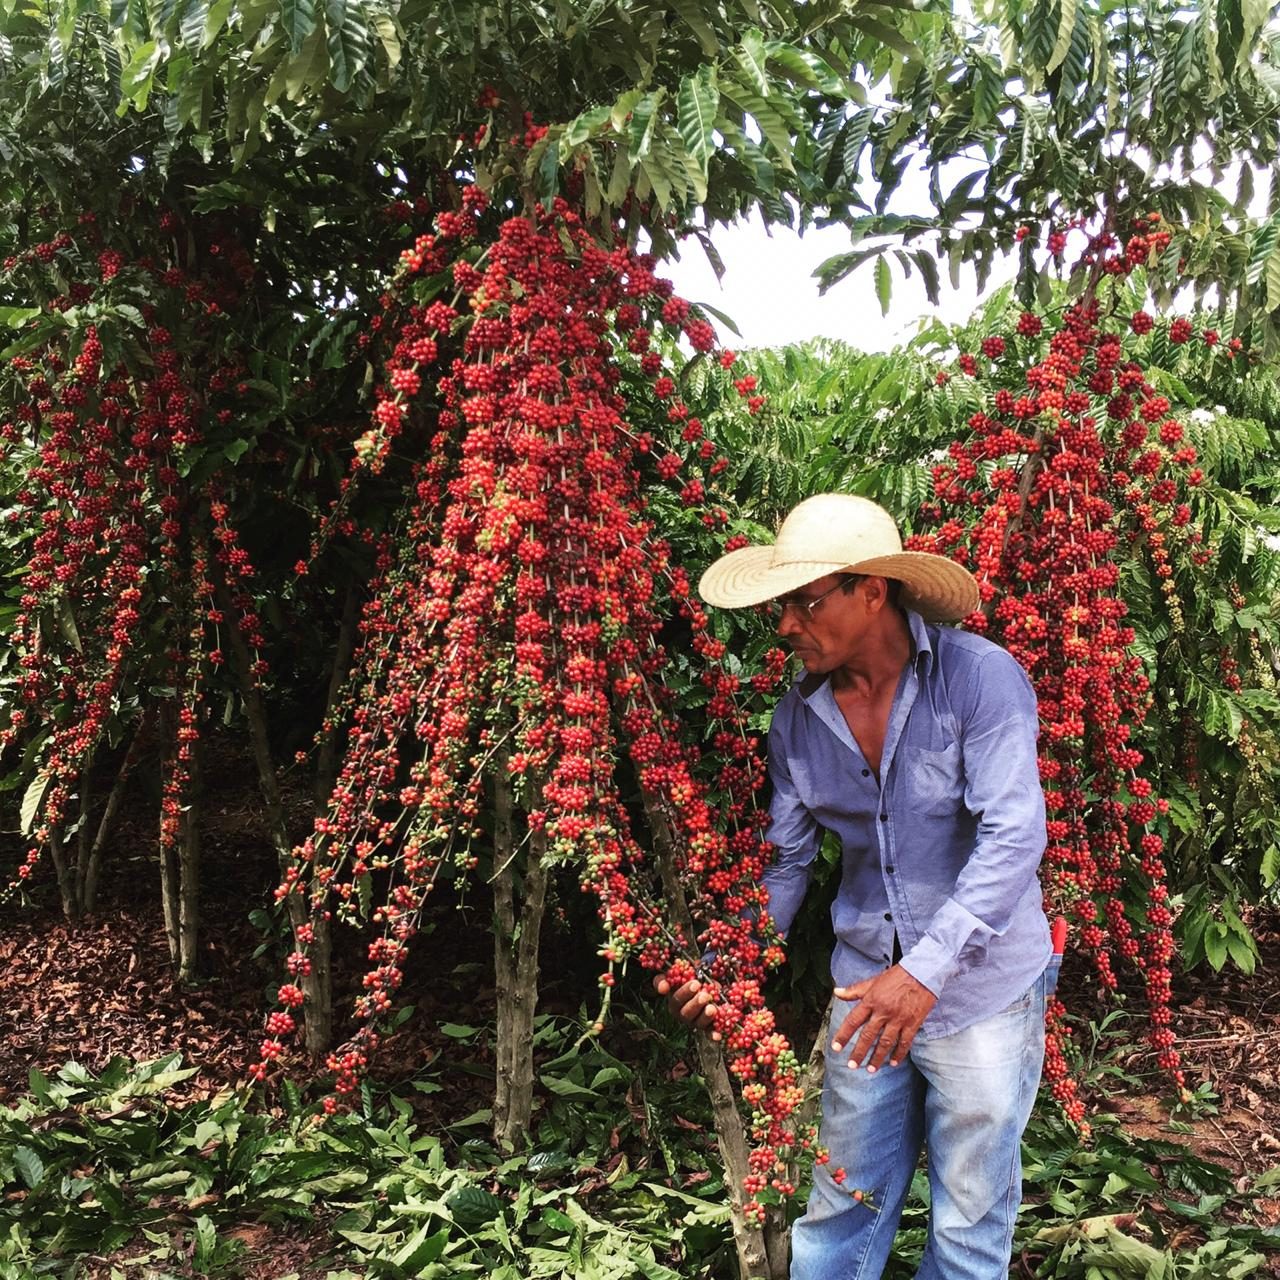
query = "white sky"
x=770 y=293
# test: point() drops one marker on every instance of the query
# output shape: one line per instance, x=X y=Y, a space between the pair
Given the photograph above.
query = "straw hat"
x=839 y=533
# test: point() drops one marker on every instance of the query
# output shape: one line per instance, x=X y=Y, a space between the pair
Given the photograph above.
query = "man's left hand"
x=888 y=1010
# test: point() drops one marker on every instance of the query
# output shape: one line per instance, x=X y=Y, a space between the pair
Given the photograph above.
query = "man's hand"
x=690 y=1003
x=889 y=1009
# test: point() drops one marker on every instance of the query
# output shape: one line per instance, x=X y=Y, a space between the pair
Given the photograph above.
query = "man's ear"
x=877 y=592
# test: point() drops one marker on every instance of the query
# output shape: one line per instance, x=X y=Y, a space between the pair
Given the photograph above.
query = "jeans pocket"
x=1051 y=973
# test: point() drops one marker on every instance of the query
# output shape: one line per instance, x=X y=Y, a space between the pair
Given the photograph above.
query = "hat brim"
x=940 y=590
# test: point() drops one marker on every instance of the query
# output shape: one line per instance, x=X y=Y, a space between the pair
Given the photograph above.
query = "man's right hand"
x=690 y=1003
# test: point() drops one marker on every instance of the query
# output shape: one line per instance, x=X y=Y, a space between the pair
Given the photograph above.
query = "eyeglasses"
x=779 y=606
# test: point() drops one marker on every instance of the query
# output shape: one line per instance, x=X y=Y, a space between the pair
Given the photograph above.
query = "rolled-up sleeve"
x=793 y=831
x=998 y=728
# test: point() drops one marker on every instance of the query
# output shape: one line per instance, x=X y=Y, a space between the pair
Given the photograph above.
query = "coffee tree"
x=495 y=484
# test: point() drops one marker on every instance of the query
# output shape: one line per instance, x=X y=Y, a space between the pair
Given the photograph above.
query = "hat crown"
x=836 y=527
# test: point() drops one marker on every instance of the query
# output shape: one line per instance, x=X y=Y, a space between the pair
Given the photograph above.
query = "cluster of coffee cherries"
x=104 y=419
x=1075 y=461
x=513 y=638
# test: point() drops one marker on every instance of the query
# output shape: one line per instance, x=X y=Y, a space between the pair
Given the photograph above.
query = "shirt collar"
x=921 y=641
x=921 y=645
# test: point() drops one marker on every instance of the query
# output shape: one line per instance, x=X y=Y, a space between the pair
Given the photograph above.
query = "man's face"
x=824 y=621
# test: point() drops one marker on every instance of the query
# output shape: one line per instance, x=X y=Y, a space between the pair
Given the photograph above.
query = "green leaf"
x=1253 y=16
x=620 y=176
x=136 y=78
x=886 y=34
x=66 y=27
x=697 y=103
x=206 y=1241
x=67 y=624
x=1243 y=954
x=1066 y=28
x=658 y=169
x=853 y=141
x=567 y=1088
x=31 y=801
x=389 y=34
x=692 y=15
x=38 y=1083
x=348 y=41
x=483 y=1116
x=55 y=66
x=766 y=114
x=1215 y=944
x=831 y=271
x=309 y=68
x=623 y=109
x=219 y=10
x=421 y=1249
x=884 y=284
x=929 y=272
x=16 y=317
x=644 y=119
x=805 y=68
x=298 y=19
x=456 y=1031
x=473 y=1207
x=29 y=1165
x=1270 y=868
x=587 y=125
x=750 y=58
x=717 y=314
x=192 y=23
x=1272 y=276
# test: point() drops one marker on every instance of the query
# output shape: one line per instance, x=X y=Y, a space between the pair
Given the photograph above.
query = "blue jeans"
x=967 y=1097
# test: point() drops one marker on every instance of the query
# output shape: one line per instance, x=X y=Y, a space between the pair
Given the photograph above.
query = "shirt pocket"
x=936 y=780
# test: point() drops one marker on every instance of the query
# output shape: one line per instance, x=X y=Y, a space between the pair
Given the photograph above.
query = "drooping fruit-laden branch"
x=513 y=634
x=1073 y=462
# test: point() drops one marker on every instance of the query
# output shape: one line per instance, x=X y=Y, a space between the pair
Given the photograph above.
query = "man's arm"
x=1002 y=790
x=793 y=832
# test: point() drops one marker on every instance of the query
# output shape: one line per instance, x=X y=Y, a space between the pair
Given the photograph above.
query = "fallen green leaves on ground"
x=103 y=1176
x=101 y=1167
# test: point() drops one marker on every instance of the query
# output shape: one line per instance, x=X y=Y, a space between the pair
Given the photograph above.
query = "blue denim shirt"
x=943 y=849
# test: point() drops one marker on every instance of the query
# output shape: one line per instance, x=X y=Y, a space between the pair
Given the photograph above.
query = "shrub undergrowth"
x=112 y=1175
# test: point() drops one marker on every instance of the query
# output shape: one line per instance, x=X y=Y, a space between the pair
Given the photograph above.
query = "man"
x=916 y=745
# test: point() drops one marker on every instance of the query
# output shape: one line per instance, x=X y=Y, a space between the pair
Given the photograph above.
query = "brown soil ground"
x=105 y=988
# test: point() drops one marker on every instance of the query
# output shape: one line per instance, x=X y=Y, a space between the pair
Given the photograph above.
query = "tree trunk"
x=189 y=874
x=327 y=758
x=761 y=1252
x=517 y=931
x=168 y=853
x=84 y=837
x=115 y=798
x=317 y=986
x=66 y=878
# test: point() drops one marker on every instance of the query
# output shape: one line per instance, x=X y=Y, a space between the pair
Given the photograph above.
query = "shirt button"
x=888 y=915
x=866 y=773
x=889 y=869
x=884 y=817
